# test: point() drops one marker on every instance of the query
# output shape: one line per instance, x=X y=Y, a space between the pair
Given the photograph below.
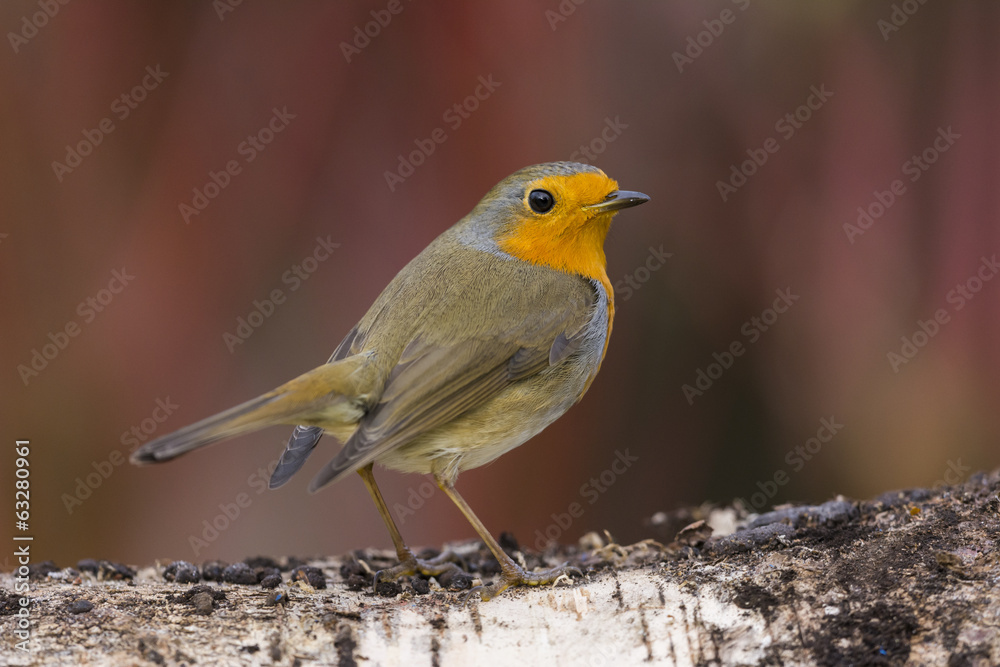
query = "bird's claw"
x=411 y=565
x=518 y=576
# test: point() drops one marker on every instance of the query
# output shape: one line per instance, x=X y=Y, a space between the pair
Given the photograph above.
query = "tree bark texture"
x=908 y=578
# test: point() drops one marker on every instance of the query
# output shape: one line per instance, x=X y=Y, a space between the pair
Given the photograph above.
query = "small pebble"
x=79 y=607
x=276 y=598
x=202 y=603
x=271 y=581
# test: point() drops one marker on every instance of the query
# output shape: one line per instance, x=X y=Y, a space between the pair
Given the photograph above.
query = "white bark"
x=885 y=585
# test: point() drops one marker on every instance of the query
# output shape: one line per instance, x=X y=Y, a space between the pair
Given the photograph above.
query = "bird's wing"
x=434 y=382
x=300 y=445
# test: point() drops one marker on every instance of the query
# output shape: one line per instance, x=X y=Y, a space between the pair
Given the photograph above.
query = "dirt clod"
x=352 y=567
x=239 y=573
x=181 y=572
x=87 y=565
x=357 y=582
x=258 y=562
x=212 y=570
x=388 y=589
x=420 y=585
x=311 y=575
x=110 y=571
x=455 y=581
x=39 y=571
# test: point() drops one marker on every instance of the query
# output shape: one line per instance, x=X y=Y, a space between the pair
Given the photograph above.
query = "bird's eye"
x=541 y=201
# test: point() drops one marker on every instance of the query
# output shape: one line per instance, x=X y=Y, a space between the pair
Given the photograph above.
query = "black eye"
x=541 y=201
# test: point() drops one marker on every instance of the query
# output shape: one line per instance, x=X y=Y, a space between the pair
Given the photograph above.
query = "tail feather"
x=329 y=397
x=227 y=424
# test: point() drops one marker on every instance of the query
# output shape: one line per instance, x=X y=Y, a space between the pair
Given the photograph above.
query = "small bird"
x=485 y=338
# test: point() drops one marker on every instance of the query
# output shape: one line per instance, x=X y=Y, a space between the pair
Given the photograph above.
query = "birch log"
x=909 y=578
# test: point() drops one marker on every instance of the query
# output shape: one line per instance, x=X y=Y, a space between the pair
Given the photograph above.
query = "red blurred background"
x=668 y=98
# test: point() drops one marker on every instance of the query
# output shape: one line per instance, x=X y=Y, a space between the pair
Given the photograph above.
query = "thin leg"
x=402 y=551
x=512 y=574
x=408 y=563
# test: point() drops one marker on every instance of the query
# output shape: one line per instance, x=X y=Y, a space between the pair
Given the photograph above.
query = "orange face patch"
x=567 y=237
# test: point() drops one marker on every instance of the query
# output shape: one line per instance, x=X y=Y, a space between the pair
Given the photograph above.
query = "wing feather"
x=434 y=384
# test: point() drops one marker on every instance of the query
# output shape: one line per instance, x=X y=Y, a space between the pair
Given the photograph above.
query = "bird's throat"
x=577 y=249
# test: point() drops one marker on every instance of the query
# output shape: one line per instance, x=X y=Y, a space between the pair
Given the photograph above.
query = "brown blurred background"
x=679 y=101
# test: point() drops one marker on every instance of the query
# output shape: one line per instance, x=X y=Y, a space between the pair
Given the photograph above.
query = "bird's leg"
x=512 y=574
x=408 y=563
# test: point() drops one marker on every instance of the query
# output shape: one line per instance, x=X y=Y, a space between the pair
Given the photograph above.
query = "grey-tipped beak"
x=618 y=199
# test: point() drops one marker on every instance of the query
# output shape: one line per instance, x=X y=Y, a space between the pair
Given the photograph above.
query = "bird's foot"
x=410 y=565
x=515 y=575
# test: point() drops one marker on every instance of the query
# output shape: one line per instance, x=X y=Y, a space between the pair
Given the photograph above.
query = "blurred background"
x=824 y=178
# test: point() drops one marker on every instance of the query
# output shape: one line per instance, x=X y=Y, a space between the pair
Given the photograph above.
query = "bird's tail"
x=332 y=396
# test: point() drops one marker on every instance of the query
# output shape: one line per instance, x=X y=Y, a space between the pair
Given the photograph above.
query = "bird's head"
x=555 y=214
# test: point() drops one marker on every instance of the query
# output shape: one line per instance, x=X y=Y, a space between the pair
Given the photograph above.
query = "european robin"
x=481 y=341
